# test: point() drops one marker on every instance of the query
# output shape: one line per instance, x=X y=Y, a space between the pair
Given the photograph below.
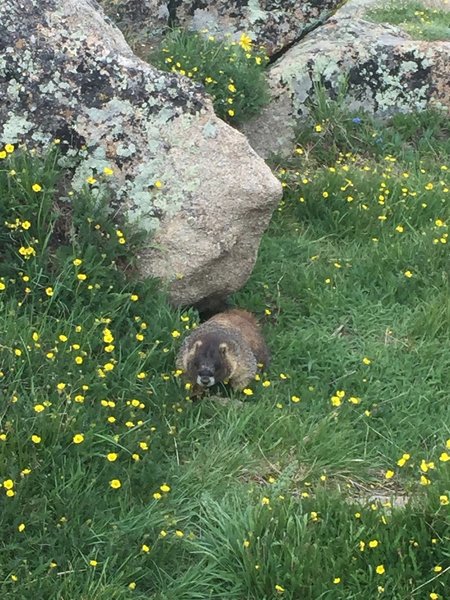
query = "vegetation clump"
x=231 y=71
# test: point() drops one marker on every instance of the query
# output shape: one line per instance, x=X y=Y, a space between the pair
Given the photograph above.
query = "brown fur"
x=230 y=343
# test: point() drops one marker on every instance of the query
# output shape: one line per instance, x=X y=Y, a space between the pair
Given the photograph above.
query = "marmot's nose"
x=205 y=379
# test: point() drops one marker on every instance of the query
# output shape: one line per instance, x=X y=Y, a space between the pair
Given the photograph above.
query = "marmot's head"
x=208 y=361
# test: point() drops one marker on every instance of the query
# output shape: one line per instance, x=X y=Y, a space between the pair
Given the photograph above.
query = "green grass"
x=264 y=496
x=232 y=72
x=420 y=21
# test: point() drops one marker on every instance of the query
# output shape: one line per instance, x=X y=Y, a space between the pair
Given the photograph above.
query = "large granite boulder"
x=386 y=71
x=272 y=23
x=191 y=181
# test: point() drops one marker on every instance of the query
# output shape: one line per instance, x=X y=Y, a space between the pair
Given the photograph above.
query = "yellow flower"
x=232 y=88
x=380 y=570
x=107 y=171
x=39 y=408
x=444 y=500
x=9 y=148
x=318 y=128
x=247 y=391
x=93 y=563
x=91 y=180
x=115 y=484
x=157 y=496
x=408 y=274
x=231 y=112
x=49 y=291
x=444 y=457
x=77 y=262
x=21 y=527
x=26 y=225
x=245 y=42
x=164 y=488
x=60 y=386
x=434 y=596
x=179 y=533
x=112 y=456
x=159 y=184
x=134 y=297
x=437 y=568
x=132 y=585
x=265 y=501
x=337 y=580
x=366 y=360
x=78 y=438
x=36 y=439
x=8 y=484
x=336 y=401
x=389 y=474
x=354 y=400
x=373 y=543
x=280 y=589
x=82 y=276
x=145 y=548
x=295 y=399
x=36 y=187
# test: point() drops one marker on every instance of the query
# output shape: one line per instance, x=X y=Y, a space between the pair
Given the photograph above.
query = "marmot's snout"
x=205 y=377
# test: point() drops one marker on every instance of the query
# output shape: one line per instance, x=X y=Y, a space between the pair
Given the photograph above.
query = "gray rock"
x=386 y=71
x=191 y=181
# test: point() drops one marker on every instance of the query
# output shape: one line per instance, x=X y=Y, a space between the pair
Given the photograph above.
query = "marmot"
x=229 y=346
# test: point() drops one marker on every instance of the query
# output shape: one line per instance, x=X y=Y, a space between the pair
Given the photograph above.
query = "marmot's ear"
x=223 y=348
x=196 y=346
